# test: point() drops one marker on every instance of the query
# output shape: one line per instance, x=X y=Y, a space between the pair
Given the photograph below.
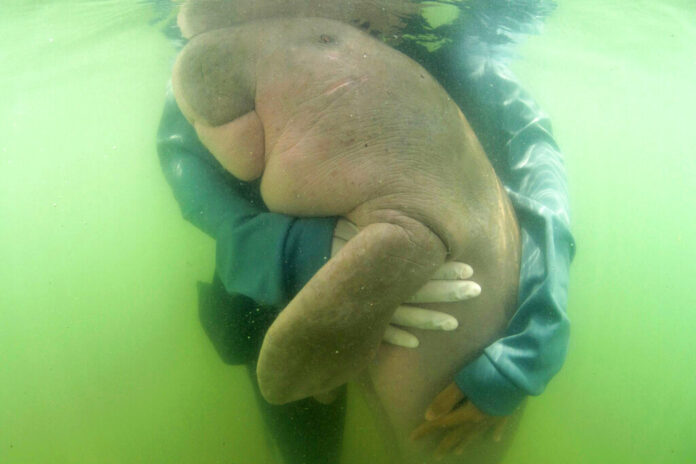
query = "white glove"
x=449 y=284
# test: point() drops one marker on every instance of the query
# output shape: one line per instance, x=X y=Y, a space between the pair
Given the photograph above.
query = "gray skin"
x=380 y=17
x=335 y=123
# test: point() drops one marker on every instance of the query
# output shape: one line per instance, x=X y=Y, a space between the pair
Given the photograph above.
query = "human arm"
x=517 y=136
x=526 y=158
x=283 y=251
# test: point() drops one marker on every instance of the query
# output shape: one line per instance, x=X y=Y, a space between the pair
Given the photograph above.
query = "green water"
x=101 y=355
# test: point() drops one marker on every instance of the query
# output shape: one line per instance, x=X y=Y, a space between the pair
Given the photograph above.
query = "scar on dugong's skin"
x=337 y=123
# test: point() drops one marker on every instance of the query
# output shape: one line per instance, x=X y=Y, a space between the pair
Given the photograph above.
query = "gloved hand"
x=447 y=285
x=461 y=421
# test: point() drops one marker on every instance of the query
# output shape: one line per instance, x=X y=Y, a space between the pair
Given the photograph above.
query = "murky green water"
x=101 y=355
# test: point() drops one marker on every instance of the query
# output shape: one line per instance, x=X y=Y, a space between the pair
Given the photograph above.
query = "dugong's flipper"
x=333 y=327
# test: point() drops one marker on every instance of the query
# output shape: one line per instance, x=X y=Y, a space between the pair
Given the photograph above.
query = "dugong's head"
x=380 y=17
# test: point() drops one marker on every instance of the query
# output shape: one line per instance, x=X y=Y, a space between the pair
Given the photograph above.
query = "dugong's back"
x=350 y=124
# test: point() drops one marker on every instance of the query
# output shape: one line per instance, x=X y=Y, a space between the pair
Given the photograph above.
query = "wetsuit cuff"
x=307 y=248
x=488 y=389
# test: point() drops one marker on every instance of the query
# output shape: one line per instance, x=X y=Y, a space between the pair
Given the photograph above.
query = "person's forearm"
x=265 y=256
x=517 y=136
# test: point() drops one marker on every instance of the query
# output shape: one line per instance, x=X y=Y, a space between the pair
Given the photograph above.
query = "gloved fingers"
x=424 y=429
x=336 y=245
x=453 y=270
x=427 y=319
x=499 y=429
x=450 y=440
x=467 y=440
x=398 y=337
x=345 y=229
x=444 y=402
x=458 y=417
x=446 y=291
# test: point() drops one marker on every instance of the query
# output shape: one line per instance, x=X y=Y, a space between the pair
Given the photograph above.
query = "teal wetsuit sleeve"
x=265 y=256
x=518 y=139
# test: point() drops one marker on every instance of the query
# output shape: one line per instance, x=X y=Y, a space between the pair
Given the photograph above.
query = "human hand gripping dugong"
x=449 y=283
